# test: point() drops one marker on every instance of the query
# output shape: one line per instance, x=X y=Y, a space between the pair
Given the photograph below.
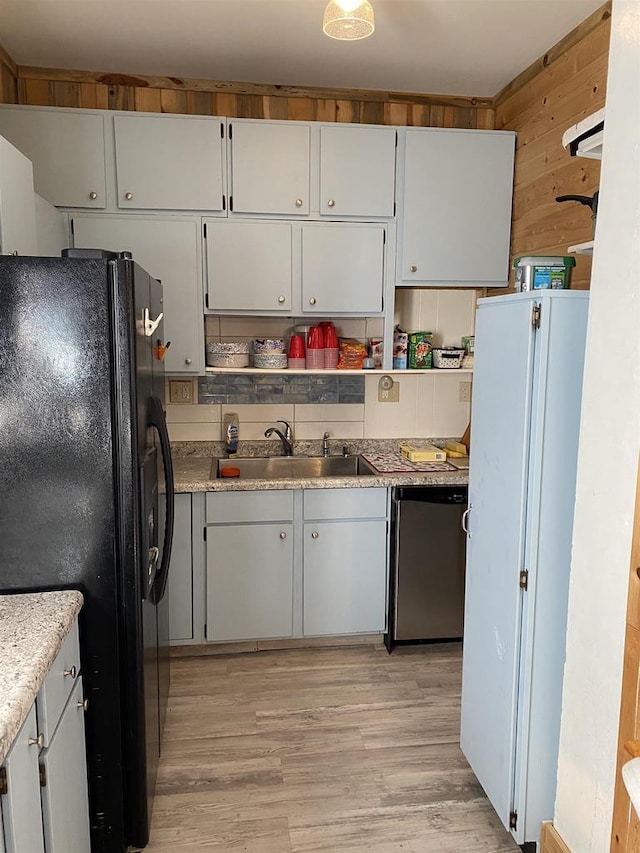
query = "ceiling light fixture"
x=348 y=20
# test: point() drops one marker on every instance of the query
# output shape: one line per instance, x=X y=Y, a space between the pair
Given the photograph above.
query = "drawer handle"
x=93 y=195
x=37 y=741
x=84 y=705
x=463 y=521
x=72 y=672
x=315 y=534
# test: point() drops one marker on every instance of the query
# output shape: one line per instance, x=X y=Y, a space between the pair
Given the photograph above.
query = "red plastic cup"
x=296 y=347
x=315 y=339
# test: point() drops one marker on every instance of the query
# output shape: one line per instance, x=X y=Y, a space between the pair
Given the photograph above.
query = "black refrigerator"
x=86 y=500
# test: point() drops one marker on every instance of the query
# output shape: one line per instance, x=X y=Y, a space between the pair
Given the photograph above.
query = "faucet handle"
x=288 y=432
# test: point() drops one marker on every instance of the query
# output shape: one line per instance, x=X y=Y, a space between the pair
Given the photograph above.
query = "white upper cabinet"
x=357 y=171
x=169 y=250
x=170 y=162
x=17 y=206
x=249 y=266
x=66 y=149
x=342 y=268
x=455 y=216
x=269 y=167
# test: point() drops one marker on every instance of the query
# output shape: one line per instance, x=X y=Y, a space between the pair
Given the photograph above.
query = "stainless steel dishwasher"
x=426 y=581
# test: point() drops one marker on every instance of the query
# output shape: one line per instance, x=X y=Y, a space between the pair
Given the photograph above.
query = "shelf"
x=581 y=248
x=264 y=371
x=584 y=139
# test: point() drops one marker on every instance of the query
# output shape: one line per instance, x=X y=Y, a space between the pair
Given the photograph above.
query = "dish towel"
x=631 y=777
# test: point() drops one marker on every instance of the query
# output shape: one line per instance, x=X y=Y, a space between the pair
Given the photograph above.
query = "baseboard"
x=270 y=645
x=550 y=840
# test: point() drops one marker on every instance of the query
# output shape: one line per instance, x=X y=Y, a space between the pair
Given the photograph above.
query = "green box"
x=419 y=350
x=543 y=272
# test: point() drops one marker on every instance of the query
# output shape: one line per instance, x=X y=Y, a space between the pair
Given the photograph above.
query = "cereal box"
x=419 y=350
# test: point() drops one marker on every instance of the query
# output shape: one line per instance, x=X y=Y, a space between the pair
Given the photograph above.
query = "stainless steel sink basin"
x=294 y=467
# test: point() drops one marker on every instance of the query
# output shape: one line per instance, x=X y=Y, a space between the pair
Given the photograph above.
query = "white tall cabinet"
x=529 y=355
x=17 y=208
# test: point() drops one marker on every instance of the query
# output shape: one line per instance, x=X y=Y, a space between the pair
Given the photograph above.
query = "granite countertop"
x=33 y=627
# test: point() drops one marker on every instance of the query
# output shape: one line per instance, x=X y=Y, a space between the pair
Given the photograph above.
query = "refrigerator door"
x=501 y=417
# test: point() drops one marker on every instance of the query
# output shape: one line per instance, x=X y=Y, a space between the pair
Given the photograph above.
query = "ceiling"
x=457 y=47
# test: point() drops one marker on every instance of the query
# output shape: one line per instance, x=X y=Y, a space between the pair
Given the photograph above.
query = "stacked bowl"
x=269 y=353
x=227 y=354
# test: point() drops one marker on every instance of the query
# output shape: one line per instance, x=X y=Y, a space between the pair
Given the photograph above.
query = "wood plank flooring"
x=328 y=749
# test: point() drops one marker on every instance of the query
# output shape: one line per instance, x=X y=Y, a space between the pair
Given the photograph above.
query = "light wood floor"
x=340 y=749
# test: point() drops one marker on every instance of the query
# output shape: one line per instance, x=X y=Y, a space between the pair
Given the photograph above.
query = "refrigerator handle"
x=463 y=520
x=157 y=420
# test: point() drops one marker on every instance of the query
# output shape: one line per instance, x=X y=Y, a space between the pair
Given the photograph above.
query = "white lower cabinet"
x=43 y=781
x=292 y=563
x=180 y=584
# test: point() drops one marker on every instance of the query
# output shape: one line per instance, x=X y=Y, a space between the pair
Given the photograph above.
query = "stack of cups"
x=331 y=346
x=315 y=348
x=296 y=353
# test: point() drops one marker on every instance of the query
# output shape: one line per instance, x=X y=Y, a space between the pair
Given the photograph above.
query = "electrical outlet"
x=464 y=392
x=388 y=390
x=180 y=391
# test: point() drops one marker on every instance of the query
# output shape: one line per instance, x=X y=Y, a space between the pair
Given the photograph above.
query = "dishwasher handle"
x=463 y=520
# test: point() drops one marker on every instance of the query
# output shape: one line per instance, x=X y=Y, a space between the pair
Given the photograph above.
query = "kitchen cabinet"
x=44 y=804
x=289 y=267
x=180 y=584
x=269 y=167
x=248 y=266
x=342 y=268
x=357 y=171
x=529 y=356
x=170 y=250
x=250 y=566
x=67 y=150
x=455 y=211
x=170 y=162
x=344 y=561
x=52 y=229
x=17 y=207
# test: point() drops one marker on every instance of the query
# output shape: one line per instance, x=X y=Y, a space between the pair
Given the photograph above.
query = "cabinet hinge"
x=4 y=785
x=396 y=138
x=231 y=203
x=71 y=226
x=204 y=228
x=224 y=202
x=204 y=529
x=524 y=579
x=205 y=631
x=43 y=776
x=230 y=131
x=513 y=820
x=535 y=316
x=221 y=130
x=206 y=300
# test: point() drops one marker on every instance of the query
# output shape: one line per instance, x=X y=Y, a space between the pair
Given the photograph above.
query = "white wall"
x=607 y=467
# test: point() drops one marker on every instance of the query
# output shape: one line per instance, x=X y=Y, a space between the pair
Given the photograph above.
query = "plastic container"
x=447 y=358
x=543 y=272
x=231 y=433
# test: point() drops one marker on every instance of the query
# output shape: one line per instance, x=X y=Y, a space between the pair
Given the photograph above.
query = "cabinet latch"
x=43 y=776
x=524 y=579
x=513 y=820
x=4 y=786
x=535 y=316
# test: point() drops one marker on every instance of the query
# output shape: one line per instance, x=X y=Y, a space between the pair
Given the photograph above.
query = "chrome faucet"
x=325 y=444
x=286 y=438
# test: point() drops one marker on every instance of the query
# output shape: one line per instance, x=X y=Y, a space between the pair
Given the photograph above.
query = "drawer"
x=58 y=685
x=344 y=503
x=269 y=505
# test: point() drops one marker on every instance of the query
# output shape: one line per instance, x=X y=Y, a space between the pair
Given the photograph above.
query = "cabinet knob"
x=312 y=300
x=315 y=534
x=283 y=535
x=84 y=705
x=93 y=195
x=298 y=202
x=37 y=741
x=413 y=268
x=128 y=196
x=72 y=672
x=188 y=360
x=331 y=203
x=281 y=299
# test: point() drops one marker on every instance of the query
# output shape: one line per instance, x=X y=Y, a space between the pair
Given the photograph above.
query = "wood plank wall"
x=90 y=90
x=561 y=88
x=8 y=79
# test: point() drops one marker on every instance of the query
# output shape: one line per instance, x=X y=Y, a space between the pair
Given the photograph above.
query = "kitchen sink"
x=294 y=467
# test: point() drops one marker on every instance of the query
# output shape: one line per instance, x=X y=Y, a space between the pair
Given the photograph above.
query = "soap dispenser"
x=231 y=433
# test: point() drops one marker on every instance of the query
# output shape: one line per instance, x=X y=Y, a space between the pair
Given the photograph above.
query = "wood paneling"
x=558 y=90
x=8 y=79
x=550 y=840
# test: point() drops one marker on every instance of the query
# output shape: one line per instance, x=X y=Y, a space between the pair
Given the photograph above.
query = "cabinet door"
x=169 y=249
x=52 y=229
x=357 y=171
x=21 y=811
x=67 y=152
x=269 y=167
x=17 y=206
x=249 y=266
x=456 y=209
x=249 y=581
x=180 y=588
x=169 y=162
x=65 y=808
x=342 y=268
x=345 y=569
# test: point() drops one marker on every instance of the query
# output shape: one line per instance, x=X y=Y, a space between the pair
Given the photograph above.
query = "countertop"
x=33 y=627
x=193 y=474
